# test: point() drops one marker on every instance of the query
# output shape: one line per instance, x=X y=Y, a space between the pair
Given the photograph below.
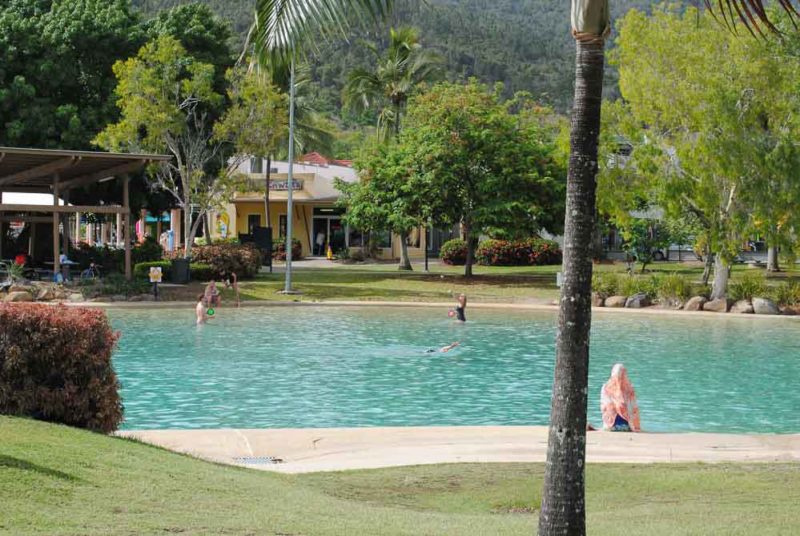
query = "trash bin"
x=180 y=271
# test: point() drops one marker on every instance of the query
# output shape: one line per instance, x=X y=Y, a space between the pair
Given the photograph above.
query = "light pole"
x=290 y=185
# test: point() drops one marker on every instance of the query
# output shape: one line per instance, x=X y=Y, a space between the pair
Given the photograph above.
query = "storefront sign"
x=282 y=186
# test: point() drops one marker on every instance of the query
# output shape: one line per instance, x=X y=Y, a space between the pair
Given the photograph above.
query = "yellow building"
x=317 y=220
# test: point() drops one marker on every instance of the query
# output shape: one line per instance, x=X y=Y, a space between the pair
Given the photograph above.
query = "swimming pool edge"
x=473 y=305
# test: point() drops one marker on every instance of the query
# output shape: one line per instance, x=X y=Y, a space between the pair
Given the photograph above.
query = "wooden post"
x=127 y=226
x=56 y=237
x=77 y=228
x=118 y=233
x=67 y=233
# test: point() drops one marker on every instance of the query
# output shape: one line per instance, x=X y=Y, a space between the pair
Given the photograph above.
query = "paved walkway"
x=309 y=450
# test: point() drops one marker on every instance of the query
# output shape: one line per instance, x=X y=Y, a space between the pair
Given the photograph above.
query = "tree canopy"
x=56 y=79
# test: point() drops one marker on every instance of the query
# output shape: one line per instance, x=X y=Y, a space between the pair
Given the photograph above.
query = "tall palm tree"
x=563 y=509
x=398 y=72
x=279 y=32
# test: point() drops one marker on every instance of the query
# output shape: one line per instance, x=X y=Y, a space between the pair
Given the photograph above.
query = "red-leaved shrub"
x=55 y=365
x=242 y=259
x=531 y=252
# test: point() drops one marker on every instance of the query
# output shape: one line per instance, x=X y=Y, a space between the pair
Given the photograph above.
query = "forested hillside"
x=523 y=43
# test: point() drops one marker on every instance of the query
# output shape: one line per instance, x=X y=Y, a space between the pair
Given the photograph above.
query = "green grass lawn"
x=57 y=480
x=524 y=284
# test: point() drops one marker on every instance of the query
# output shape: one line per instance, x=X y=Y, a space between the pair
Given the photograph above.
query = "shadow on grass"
x=24 y=465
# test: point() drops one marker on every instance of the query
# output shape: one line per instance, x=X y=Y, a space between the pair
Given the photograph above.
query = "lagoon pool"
x=297 y=367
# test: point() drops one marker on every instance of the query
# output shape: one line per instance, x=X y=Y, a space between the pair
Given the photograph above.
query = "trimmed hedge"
x=55 y=365
x=242 y=259
x=531 y=252
x=454 y=252
x=279 y=250
x=202 y=272
x=198 y=271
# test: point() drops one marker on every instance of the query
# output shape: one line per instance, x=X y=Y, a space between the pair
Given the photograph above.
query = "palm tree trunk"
x=563 y=500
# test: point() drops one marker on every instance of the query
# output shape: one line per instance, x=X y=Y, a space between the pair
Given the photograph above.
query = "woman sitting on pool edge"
x=618 y=403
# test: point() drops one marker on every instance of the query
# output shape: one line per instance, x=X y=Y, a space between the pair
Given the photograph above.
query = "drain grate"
x=257 y=460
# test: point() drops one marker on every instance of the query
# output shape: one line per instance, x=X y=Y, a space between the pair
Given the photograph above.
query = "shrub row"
x=198 y=271
x=675 y=286
x=55 y=365
x=532 y=252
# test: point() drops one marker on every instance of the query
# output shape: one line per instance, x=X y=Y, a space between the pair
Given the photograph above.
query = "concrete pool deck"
x=533 y=305
x=336 y=449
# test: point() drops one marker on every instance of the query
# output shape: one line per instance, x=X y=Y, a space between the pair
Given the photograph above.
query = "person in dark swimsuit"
x=461 y=308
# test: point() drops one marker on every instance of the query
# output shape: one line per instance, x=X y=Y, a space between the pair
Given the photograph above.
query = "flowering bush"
x=242 y=259
x=279 y=250
x=454 y=252
x=531 y=252
x=55 y=365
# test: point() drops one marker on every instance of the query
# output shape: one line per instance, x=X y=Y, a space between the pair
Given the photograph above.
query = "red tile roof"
x=316 y=159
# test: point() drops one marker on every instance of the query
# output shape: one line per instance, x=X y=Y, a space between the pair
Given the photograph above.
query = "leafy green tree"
x=643 y=237
x=256 y=122
x=711 y=122
x=394 y=192
x=493 y=170
x=396 y=75
x=56 y=79
x=164 y=94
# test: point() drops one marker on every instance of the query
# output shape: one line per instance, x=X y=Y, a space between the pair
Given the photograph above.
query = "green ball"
x=210 y=312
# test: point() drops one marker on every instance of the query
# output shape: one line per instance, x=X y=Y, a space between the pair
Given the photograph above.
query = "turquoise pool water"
x=342 y=367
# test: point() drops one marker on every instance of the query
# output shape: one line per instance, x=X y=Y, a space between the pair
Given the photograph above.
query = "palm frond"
x=751 y=13
x=281 y=25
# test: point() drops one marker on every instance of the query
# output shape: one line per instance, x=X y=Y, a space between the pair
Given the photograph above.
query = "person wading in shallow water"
x=201 y=309
x=461 y=308
x=618 y=403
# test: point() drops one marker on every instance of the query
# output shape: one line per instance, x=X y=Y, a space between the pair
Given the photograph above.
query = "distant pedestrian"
x=320 y=241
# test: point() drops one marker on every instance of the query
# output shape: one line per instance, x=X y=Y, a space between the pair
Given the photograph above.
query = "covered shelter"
x=58 y=173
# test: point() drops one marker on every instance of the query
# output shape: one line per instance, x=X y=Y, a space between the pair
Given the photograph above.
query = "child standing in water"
x=200 y=309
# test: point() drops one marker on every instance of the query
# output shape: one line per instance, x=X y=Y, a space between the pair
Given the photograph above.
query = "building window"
x=253 y=220
x=256 y=165
x=381 y=239
x=282 y=226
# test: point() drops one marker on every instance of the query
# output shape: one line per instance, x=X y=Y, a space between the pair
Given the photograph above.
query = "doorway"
x=328 y=231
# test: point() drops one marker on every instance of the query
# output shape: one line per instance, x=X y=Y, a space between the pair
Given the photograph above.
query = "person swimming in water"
x=443 y=349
